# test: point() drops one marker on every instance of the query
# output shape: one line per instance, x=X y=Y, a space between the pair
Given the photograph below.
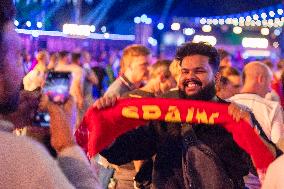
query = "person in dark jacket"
x=195 y=156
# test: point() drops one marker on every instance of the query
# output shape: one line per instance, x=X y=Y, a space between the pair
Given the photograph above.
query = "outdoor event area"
x=142 y=94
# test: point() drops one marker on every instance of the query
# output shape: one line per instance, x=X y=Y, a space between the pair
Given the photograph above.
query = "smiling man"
x=186 y=155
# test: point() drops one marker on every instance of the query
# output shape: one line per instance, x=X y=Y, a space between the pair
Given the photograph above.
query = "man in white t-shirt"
x=257 y=80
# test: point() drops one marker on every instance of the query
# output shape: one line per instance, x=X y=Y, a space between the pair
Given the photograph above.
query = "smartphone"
x=57 y=85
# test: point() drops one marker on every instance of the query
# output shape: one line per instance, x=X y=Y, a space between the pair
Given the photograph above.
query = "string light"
x=160 y=26
x=188 y=31
x=202 y=21
x=221 y=21
x=206 y=28
x=215 y=21
x=264 y=31
x=39 y=24
x=237 y=30
x=175 y=26
x=271 y=13
x=28 y=24
x=280 y=11
x=137 y=20
x=263 y=15
x=255 y=17
x=16 y=23
x=277 y=32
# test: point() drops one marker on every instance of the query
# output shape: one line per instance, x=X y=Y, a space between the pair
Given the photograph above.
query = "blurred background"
x=246 y=28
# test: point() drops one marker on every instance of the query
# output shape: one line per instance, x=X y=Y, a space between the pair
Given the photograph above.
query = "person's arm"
x=71 y=159
x=76 y=167
x=92 y=77
x=79 y=82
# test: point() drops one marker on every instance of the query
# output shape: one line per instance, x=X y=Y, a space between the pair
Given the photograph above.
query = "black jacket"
x=187 y=156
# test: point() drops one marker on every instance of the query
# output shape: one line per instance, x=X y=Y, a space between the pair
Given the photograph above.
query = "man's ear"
x=260 y=78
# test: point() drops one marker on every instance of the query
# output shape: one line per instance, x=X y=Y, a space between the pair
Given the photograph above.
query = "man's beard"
x=11 y=104
x=206 y=93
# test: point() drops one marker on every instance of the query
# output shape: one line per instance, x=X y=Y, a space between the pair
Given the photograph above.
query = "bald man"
x=257 y=83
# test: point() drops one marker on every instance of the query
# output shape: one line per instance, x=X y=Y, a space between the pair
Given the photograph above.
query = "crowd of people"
x=160 y=154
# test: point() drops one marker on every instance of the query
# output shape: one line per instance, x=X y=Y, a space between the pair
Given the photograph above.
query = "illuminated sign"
x=205 y=38
x=260 y=43
x=74 y=29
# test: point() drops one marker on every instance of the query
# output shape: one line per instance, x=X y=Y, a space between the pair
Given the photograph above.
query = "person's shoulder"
x=250 y=97
x=75 y=67
x=22 y=148
x=170 y=94
x=137 y=93
x=117 y=88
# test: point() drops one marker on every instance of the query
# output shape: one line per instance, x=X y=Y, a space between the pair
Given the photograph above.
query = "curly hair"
x=201 y=48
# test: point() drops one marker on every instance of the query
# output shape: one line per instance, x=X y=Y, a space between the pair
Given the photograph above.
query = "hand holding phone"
x=57 y=85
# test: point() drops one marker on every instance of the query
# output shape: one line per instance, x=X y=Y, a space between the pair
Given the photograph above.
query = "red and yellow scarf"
x=101 y=127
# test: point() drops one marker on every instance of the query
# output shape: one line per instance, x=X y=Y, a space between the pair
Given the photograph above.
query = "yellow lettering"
x=189 y=116
x=213 y=117
x=173 y=114
x=130 y=112
x=201 y=117
x=151 y=112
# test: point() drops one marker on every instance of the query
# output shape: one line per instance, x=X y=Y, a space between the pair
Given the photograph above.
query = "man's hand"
x=25 y=112
x=105 y=102
x=238 y=113
x=62 y=123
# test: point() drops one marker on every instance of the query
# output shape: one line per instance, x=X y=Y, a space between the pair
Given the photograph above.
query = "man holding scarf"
x=187 y=155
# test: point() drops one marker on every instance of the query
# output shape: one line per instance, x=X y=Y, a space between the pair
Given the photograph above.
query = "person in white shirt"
x=257 y=79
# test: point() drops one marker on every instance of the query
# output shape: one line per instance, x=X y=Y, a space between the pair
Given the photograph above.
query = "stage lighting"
x=160 y=26
x=261 y=43
x=188 y=31
x=205 y=38
x=16 y=23
x=206 y=28
x=103 y=29
x=39 y=24
x=28 y=24
x=175 y=26
x=92 y=28
x=137 y=20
